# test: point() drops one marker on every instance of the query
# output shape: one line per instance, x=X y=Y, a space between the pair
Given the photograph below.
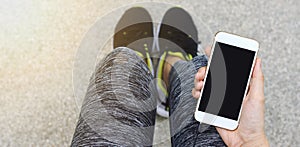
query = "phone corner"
x=196 y=116
x=233 y=127
x=219 y=33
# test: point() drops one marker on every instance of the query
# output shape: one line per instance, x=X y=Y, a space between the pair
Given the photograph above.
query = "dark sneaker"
x=177 y=36
x=135 y=31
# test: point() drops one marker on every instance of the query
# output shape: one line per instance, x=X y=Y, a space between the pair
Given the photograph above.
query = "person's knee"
x=129 y=53
x=119 y=56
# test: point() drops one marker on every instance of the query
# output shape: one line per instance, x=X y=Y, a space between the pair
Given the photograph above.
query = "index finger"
x=200 y=75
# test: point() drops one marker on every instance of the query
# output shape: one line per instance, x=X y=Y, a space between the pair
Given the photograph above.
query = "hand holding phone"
x=251 y=123
x=251 y=127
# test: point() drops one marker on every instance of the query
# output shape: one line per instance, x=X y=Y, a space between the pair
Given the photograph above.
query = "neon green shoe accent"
x=149 y=62
x=189 y=57
x=161 y=64
x=139 y=54
x=160 y=72
x=146 y=48
x=177 y=54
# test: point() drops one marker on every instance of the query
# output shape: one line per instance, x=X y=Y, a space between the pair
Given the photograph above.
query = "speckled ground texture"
x=44 y=68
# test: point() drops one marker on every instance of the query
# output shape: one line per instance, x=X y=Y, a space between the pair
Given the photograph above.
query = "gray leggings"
x=119 y=108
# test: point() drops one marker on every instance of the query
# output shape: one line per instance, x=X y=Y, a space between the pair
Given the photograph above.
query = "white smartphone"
x=226 y=81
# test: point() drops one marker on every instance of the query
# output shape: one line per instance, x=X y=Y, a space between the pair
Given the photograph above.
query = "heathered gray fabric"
x=185 y=130
x=120 y=105
x=119 y=109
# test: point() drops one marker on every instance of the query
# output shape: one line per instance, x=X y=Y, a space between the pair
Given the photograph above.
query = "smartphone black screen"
x=226 y=81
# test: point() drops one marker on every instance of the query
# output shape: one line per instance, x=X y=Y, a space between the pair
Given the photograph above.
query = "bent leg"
x=185 y=130
x=119 y=108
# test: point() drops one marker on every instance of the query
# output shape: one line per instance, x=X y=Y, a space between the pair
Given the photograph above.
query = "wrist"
x=260 y=141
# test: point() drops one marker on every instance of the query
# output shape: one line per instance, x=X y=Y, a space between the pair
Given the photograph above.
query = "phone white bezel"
x=238 y=41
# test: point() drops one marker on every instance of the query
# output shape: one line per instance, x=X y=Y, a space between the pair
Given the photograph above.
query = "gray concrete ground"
x=42 y=41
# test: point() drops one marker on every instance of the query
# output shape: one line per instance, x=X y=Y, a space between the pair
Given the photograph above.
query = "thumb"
x=257 y=82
